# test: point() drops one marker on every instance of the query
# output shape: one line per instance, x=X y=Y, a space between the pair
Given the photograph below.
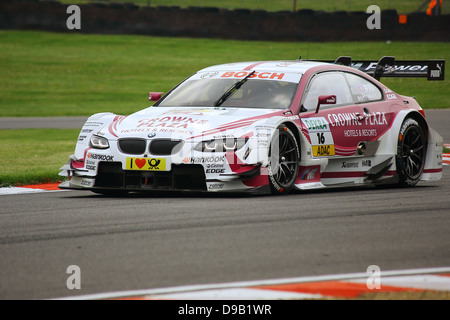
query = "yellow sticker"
x=147 y=164
x=323 y=151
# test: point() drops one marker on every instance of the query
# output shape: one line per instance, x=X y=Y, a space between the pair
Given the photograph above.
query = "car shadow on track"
x=237 y=195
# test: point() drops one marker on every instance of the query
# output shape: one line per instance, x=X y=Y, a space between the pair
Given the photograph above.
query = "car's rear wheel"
x=411 y=152
x=284 y=161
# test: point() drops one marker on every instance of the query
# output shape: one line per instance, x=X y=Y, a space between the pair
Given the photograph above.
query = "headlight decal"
x=98 y=142
x=221 y=145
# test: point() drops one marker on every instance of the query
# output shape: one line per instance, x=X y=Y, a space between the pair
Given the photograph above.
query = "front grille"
x=132 y=146
x=182 y=177
x=165 y=147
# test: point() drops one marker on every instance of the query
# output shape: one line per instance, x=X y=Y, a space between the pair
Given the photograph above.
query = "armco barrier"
x=243 y=24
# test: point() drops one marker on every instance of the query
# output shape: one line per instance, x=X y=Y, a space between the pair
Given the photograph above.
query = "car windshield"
x=253 y=93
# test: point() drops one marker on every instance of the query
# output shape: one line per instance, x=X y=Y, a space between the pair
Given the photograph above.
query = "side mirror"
x=154 y=96
x=325 y=100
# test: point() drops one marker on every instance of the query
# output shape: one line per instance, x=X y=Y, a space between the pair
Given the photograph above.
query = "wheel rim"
x=413 y=152
x=287 y=161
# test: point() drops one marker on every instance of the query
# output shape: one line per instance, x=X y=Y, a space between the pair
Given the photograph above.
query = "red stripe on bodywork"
x=237 y=124
x=111 y=129
x=238 y=167
x=250 y=67
x=113 y=125
x=77 y=164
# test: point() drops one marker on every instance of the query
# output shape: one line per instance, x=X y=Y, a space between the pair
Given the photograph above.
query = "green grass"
x=51 y=74
x=34 y=155
x=402 y=6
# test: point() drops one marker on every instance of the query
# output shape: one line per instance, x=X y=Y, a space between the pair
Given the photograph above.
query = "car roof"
x=290 y=66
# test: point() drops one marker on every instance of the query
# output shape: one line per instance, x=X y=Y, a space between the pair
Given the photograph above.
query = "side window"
x=363 y=90
x=327 y=83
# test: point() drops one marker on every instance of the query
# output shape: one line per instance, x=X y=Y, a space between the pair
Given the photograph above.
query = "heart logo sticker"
x=140 y=162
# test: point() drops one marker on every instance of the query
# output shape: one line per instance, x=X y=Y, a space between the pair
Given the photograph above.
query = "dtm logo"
x=207 y=75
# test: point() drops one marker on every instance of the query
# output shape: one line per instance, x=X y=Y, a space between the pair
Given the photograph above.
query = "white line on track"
x=21 y=190
x=223 y=290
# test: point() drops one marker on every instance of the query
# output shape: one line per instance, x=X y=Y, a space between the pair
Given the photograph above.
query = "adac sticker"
x=323 y=150
x=321 y=138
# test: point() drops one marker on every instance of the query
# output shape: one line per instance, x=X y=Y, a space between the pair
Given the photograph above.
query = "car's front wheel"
x=411 y=152
x=284 y=161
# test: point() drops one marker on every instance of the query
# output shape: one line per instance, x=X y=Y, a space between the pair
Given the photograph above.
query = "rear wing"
x=433 y=69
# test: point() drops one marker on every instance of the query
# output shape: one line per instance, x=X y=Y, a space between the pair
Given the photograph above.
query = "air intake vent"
x=165 y=147
x=132 y=146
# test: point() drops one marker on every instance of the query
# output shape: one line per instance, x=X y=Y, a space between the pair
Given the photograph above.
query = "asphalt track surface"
x=163 y=240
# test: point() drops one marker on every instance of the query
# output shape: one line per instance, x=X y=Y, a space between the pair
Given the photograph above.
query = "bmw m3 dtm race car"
x=266 y=126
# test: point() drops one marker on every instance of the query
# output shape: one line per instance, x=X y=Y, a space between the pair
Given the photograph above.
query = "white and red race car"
x=268 y=126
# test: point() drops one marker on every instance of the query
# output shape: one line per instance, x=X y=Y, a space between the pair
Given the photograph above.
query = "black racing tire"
x=411 y=153
x=285 y=162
